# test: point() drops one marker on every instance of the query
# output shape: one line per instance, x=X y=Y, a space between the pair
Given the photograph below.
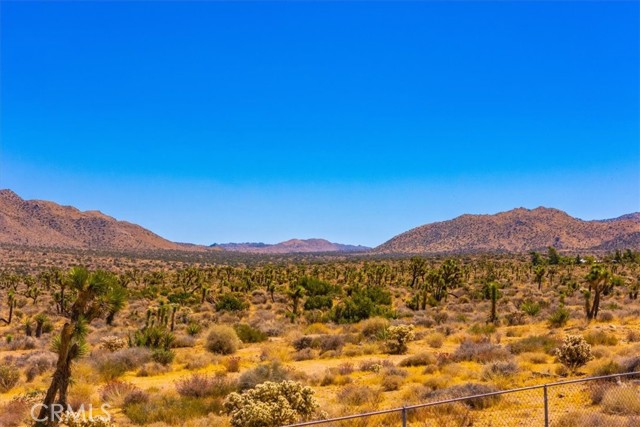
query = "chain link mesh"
x=612 y=401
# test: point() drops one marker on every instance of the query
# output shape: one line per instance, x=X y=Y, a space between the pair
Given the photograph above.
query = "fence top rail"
x=460 y=399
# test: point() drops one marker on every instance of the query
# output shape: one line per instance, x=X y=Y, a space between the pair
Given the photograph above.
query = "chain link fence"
x=606 y=401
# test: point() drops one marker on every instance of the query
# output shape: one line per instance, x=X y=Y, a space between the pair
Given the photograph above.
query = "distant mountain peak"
x=292 y=246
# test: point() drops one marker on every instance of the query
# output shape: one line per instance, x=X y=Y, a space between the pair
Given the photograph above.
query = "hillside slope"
x=47 y=224
x=517 y=230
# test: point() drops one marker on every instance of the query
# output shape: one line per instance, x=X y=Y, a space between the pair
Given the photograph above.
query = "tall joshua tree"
x=91 y=297
x=599 y=281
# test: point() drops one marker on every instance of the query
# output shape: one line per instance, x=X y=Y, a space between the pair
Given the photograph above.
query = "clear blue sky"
x=353 y=121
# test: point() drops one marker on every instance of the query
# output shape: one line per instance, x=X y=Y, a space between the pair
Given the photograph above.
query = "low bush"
x=630 y=364
x=371 y=366
x=581 y=419
x=248 y=334
x=469 y=389
x=14 y=413
x=435 y=340
x=194 y=329
x=420 y=359
x=183 y=341
x=358 y=395
x=152 y=369
x=530 y=308
x=482 y=352
x=482 y=329
x=113 y=343
x=499 y=369
x=601 y=338
x=597 y=390
x=222 y=339
x=534 y=343
x=232 y=364
x=231 y=302
x=392 y=382
x=162 y=356
x=116 y=392
x=621 y=401
x=398 y=337
x=323 y=343
x=9 y=377
x=608 y=367
x=559 y=318
x=38 y=364
x=112 y=365
x=272 y=372
x=199 y=385
x=170 y=410
x=375 y=328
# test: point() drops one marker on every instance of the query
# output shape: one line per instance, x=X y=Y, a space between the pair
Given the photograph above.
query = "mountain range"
x=291 y=246
x=39 y=223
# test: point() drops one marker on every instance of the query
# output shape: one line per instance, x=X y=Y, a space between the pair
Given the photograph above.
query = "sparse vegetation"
x=172 y=356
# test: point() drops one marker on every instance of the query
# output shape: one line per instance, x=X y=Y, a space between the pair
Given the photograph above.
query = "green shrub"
x=318 y=302
x=171 y=410
x=375 y=328
x=530 y=308
x=231 y=302
x=247 y=334
x=534 y=343
x=559 y=318
x=482 y=329
x=398 y=337
x=193 y=329
x=363 y=304
x=162 y=356
x=222 y=339
x=9 y=377
x=153 y=337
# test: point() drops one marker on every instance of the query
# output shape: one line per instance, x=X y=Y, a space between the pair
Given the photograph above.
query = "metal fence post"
x=546 y=407
x=404 y=416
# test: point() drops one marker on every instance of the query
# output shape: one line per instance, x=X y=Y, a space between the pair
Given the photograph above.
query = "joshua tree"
x=493 y=295
x=40 y=319
x=539 y=271
x=417 y=266
x=11 y=302
x=117 y=300
x=91 y=296
x=296 y=293
x=599 y=280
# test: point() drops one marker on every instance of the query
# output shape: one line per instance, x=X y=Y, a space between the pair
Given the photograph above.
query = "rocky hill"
x=291 y=246
x=47 y=224
x=517 y=230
